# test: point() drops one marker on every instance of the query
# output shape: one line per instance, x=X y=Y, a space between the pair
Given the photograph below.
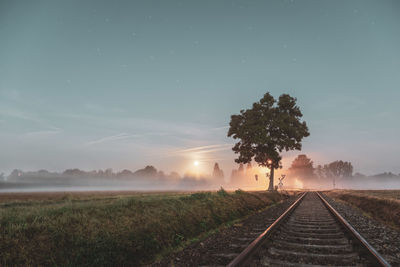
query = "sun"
x=196 y=163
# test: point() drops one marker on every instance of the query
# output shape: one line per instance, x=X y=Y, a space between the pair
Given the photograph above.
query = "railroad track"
x=309 y=233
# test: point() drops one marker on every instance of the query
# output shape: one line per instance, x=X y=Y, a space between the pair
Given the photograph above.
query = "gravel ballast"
x=383 y=238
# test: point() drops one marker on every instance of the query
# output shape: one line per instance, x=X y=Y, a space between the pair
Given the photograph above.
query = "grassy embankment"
x=382 y=205
x=117 y=230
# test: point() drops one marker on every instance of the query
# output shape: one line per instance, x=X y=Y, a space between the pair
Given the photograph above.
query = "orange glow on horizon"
x=298 y=183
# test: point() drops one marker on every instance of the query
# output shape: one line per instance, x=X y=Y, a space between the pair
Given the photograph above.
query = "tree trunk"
x=271 y=180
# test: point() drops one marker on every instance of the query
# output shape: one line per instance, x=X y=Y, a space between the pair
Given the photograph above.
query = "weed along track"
x=309 y=233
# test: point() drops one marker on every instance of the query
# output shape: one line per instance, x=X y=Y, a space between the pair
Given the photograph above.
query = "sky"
x=124 y=84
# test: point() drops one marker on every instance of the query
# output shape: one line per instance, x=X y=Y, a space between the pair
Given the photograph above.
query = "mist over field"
x=380 y=182
x=151 y=179
x=146 y=179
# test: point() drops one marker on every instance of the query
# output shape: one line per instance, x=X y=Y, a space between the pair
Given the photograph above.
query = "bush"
x=221 y=192
x=239 y=191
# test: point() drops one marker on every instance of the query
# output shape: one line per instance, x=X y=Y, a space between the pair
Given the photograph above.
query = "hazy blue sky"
x=122 y=84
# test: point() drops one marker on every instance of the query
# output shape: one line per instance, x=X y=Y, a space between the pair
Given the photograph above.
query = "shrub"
x=239 y=191
x=221 y=192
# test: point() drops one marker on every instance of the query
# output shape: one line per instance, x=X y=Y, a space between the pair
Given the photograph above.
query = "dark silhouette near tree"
x=217 y=172
x=267 y=129
x=302 y=166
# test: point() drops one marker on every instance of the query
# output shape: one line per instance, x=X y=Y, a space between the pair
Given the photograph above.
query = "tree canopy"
x=217 y=172
x=302 y=166
x=267 y=129
x=339 y=168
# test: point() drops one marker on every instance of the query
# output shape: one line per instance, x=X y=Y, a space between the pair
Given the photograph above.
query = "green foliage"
x=178 y=239
x=239 y=191
x=267 y=129
x=221 y=192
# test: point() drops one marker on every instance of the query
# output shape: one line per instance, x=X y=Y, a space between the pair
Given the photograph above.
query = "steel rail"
x=375 y=256
x=246 y=254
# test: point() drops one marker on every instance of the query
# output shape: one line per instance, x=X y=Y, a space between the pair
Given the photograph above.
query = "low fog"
x=146 y=179
x=301 y=175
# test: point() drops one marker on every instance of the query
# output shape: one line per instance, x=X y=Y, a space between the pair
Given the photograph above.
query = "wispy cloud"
x=120 y=136
x=204 y=149
x=25 y=115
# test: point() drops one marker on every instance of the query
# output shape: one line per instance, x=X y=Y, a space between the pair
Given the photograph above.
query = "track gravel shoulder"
x=384 y=239
x=220 y=248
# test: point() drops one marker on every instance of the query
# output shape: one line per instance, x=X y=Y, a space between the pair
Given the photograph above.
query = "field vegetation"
x=382 y=205
x=117 y=230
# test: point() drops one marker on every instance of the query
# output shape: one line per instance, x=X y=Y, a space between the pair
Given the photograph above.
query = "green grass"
x=126 y=230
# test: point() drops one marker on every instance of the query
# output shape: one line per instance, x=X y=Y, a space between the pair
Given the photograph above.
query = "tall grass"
x=115 y=231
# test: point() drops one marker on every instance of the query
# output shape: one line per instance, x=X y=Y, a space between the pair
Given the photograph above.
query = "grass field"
x=386 y=194
x=118 y=228
x=382 y=205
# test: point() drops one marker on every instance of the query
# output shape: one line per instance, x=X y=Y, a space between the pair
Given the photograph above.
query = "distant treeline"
x=302 y=166
x=147 y=172
x=148 y=177
x=301 y=173
x=337 y=174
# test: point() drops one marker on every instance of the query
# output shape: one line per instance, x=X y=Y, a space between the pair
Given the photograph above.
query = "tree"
x=15 y=174
x=302 y=166
x=339 y=168
x=217 y=172
x=267 y=129
x=174 y=176
x=109 y=172
x=148 y=172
